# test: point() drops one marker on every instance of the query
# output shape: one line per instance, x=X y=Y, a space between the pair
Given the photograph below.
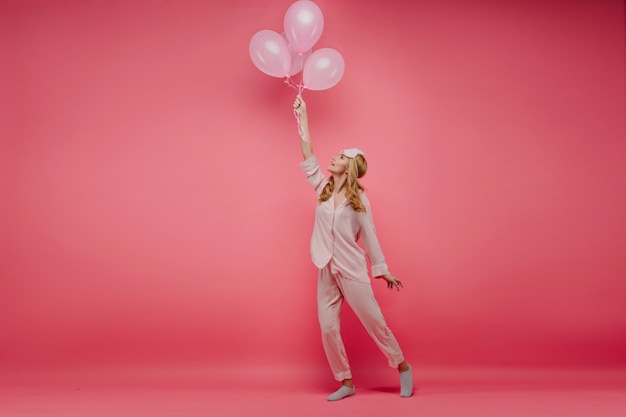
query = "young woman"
x=342 y=217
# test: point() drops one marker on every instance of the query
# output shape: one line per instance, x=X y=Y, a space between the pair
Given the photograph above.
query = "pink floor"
x=262 y=392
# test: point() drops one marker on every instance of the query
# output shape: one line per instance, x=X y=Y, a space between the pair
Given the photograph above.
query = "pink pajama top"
x=336 y=232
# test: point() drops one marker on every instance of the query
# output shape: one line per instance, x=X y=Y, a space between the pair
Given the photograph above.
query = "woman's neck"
x=340 y=181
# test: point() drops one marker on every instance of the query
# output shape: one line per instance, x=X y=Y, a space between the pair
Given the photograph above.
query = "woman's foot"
x=406 y=379
x=346 y=390
x=341 y=393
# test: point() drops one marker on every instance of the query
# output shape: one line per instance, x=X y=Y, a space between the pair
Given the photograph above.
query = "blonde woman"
x=342 y=217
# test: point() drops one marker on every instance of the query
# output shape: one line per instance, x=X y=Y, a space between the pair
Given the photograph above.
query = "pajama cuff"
x=379 y=269
x=309 y=165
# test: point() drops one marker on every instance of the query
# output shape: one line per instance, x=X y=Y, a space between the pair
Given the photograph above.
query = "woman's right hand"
x=300 y=106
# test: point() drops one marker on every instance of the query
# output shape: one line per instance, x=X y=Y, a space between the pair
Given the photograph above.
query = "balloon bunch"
x=289 y=53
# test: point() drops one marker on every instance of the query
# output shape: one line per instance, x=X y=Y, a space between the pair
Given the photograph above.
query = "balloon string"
x=299 y=88
x=301 y=85
x=291 y=83
x=300 y=129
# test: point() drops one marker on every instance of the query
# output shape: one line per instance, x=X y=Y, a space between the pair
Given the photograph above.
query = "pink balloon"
x=270 y=53
x=297 y=60
x=304 y=23
x=323 y=69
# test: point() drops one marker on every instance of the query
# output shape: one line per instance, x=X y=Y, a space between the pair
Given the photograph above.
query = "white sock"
x=406 y=382
x=342 y=392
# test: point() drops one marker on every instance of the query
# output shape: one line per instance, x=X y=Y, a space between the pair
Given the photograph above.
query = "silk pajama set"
x=343 y=273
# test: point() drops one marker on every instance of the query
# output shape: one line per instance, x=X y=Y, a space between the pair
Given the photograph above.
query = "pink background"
x=153 y=211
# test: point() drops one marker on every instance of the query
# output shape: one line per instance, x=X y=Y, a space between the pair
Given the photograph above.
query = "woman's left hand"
x=392 y=281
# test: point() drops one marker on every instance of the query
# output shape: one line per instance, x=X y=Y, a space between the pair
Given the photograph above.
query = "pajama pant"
x=332 y=289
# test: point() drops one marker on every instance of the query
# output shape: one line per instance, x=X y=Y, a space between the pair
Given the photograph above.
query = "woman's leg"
x=329 y=302
x=360 y=297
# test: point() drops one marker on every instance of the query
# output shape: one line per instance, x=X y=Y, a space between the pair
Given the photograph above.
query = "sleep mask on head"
x=352 y=152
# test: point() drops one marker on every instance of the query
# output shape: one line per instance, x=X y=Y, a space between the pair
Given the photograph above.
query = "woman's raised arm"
x=305 y=143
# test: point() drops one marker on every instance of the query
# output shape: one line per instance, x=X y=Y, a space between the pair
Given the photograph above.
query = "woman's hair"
x=357 y=167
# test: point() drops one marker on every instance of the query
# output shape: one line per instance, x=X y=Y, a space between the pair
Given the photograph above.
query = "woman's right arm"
x=305 y=144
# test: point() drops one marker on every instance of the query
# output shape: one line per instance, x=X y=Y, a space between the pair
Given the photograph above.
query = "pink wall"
x=153 y=210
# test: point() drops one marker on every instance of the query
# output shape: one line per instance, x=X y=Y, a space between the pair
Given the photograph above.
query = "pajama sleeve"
x=369 y=239
x=314 y=176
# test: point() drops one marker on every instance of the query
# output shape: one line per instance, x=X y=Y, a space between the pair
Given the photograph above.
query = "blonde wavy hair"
x=357 y=167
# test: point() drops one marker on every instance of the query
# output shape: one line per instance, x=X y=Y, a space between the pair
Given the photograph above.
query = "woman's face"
x=338 y=164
